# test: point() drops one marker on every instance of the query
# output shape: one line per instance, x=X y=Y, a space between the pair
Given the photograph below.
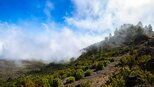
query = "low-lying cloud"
x=48 y=45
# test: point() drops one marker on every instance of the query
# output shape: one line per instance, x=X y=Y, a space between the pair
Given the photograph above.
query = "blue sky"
x=53 y=30
x=16 y=10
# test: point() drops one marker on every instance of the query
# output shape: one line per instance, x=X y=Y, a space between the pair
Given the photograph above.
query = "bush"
x=63 y=76
x=145 y=77
x=126 y=60
x=85 y=84
x=25 y=82
x=118 y=81
x=21 y=83
x=88 y=72
x=38 y=83
x=125 y=71
x=45 y=82
x=99 y=66
x=106 y=62
x=70 y=79
x=94 y=65
x=79 y=74
x=144 y=59
x=55 y=82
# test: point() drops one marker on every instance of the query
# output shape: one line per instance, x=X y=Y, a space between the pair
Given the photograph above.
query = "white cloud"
x=48 y=8
x=105 y=15
x=51 y=44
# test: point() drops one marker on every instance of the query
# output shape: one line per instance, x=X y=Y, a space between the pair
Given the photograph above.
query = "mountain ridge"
x=125 y=59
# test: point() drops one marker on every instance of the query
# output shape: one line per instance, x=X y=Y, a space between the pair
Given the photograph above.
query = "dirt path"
x=99 y=77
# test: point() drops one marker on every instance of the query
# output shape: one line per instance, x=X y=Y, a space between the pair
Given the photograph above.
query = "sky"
x=55 y=30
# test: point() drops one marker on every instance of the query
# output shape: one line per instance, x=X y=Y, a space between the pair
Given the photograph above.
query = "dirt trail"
x=100 y=77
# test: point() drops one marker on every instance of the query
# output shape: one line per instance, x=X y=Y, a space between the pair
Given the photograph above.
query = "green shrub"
x=25 y=82
x=106 y=62
x=125 y=71
x=50 y=80
x=106 y=85
x=29 y=83
x=99 y=66
x=144 y=76
x=21 y=83
x=144 y=58
x=94 y=65
x=81 y=67
x=136 y=71
x=126 y=60
x=79 y=74
x=45 y=82
x=63 y=76
x=70 y=72
x=70 y=79
x=55 y=82
x=88 y=72
x=38 y=83
x=149 y=77
x=85 y=84
x=118 y=81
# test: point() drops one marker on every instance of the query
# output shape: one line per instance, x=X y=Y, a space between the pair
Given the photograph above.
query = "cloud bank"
x=105 y=15
x=51 y=44
x=89 y=23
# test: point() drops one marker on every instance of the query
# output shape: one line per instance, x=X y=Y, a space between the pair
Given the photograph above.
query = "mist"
x=48 y=45
x=122 y=36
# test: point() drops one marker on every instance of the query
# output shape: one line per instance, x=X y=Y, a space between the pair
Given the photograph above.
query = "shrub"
x=55 y=82
x=63 y=76
x=144 y=58
x=70 y=79
x=79 y=74
x=29 y=83
x=50 y=80
x=85 y=84
x=125 y=71
x=99 y=66
x=81 y=67
x=38 y=83
x=94 y=65
x=21 y=83
x=106 y=85
x=149 y=77
x=145 y=77
x=45 y=82
x=118 y=81
x=126 y=60
x=106 y=62
x=26 y=82
x=88 y=72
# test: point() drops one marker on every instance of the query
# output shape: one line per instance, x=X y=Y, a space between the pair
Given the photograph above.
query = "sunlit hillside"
x=124 y=59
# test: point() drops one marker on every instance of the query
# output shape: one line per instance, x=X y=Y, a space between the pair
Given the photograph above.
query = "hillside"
x=125 y=59
x=11 y=69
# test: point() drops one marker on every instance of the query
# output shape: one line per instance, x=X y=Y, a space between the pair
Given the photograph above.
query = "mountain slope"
x=123 y=60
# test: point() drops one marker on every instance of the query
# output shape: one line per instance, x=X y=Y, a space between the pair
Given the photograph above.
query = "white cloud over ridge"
x=105 y=15
x=54 y=42
x=48 y=45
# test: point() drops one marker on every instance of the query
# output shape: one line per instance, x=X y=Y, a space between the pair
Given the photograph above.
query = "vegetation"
x=70 y=79
x=131 y=48
x=88 y=72
x=55 y=83
x=85 y=84
x=79 y=74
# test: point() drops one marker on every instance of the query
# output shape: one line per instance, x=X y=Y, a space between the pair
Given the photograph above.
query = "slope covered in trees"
x=125 y=59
